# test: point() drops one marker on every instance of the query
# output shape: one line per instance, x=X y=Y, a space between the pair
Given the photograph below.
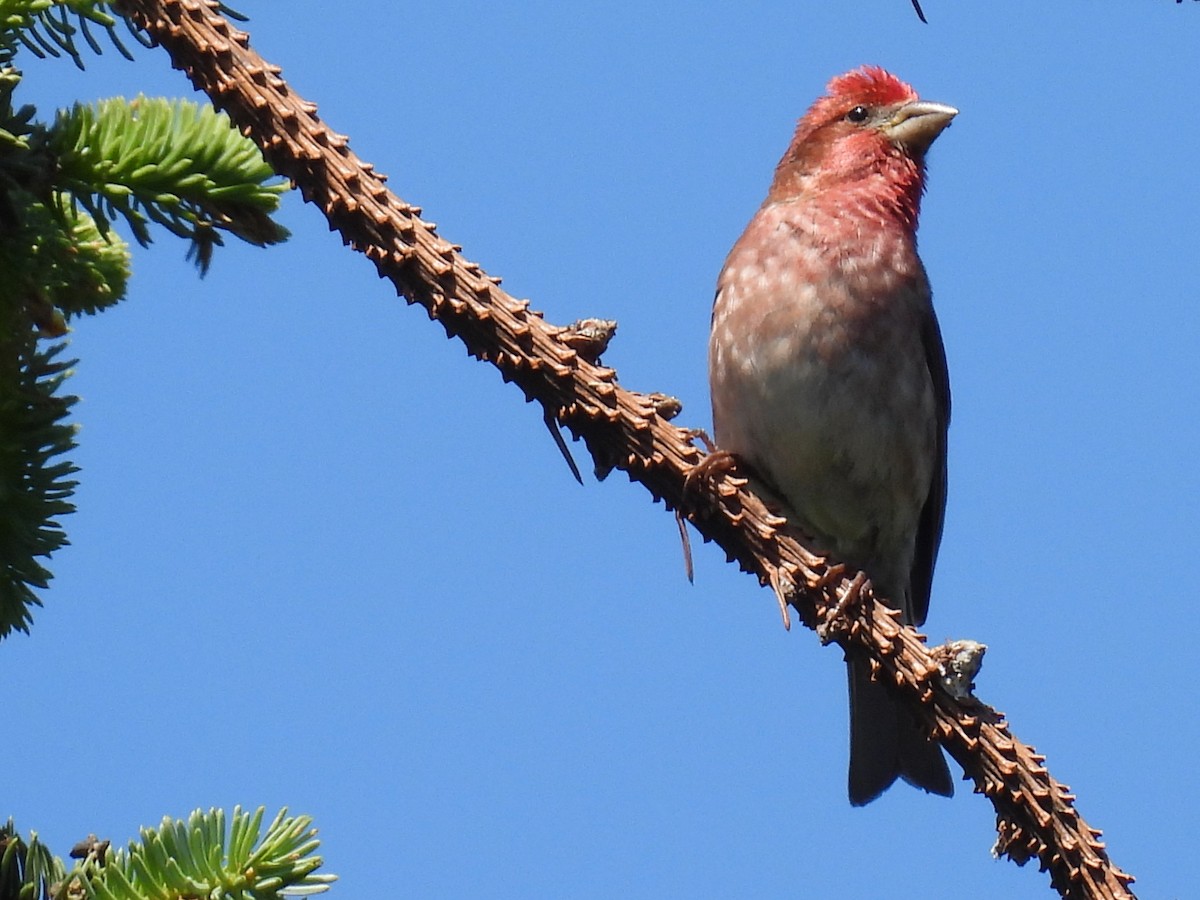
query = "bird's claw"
x=717 y=462
x=830 y=575
x=699 y=434
x=838 y=621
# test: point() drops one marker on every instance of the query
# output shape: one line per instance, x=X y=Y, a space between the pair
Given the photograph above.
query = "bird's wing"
x=933 y=515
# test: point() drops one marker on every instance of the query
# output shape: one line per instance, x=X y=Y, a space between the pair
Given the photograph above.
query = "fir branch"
x=61 y=188
x=201 y=857
x=28 y=870
x=174 y=163
x=1036 y=815
x=196 y=857
x=34 y=481
x=24 y=167
x=52 y=27
x=59 y=265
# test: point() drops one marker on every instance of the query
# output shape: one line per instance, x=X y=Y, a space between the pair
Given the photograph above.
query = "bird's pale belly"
x=846 y=437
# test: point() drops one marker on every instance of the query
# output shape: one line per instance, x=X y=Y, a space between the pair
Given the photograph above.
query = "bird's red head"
x=870 y=125
x=870 y=85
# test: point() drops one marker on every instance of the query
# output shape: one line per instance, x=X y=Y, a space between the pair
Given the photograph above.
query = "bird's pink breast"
x=819 y=378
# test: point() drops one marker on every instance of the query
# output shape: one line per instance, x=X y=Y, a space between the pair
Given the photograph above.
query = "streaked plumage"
x=829 y=378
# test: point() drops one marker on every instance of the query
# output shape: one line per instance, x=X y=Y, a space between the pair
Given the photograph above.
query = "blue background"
x=322 y=559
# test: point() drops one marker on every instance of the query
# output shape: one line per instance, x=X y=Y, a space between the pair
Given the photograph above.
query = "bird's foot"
x=715 y=464
x=830 y=575
x=838 y=621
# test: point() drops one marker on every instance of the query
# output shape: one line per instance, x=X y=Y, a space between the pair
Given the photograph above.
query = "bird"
x=828 y=375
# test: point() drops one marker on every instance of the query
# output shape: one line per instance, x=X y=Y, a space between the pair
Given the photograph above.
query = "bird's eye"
x=858 y=115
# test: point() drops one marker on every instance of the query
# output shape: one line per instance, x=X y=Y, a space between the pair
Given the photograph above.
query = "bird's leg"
x=838 y=621
x=716 y=462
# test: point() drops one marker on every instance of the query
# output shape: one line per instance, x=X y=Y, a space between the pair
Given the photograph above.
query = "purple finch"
x=829 y=379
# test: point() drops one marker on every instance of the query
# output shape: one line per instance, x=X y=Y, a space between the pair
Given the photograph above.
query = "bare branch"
x=1036 y=816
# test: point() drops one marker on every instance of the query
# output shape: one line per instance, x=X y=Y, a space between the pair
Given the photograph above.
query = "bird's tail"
x=886 y=742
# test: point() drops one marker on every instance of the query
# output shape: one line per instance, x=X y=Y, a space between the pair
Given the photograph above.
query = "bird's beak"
x=914 y=125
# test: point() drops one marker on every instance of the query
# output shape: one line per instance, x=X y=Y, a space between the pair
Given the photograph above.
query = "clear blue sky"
x=322 y=559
